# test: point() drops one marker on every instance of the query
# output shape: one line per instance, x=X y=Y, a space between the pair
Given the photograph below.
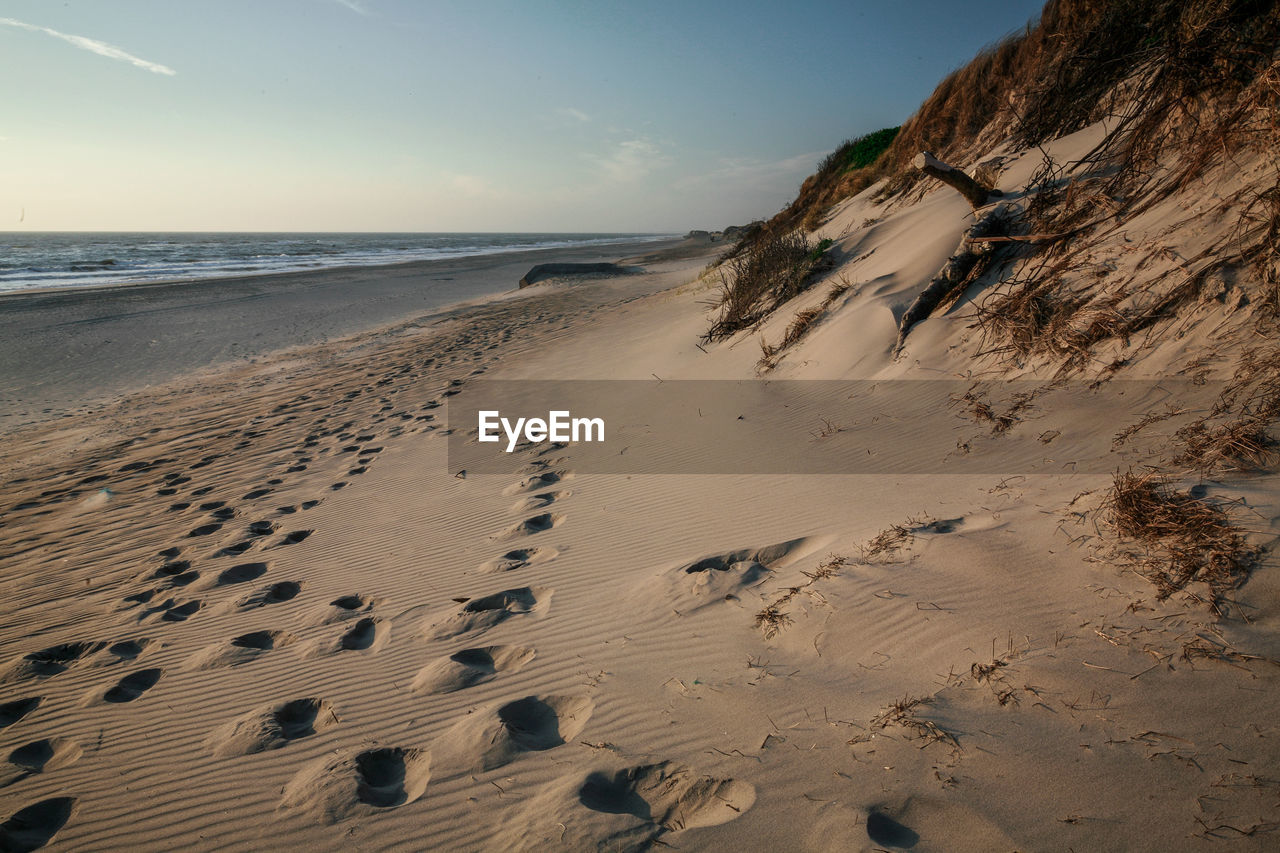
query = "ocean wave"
x=76 y=260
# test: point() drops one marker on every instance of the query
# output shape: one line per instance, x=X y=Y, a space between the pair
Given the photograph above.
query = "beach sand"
x=251 y=609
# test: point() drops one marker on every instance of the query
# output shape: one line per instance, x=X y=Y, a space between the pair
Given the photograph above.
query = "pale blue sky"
x=395 y=115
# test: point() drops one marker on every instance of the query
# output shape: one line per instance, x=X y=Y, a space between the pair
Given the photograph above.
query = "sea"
x=34 y=260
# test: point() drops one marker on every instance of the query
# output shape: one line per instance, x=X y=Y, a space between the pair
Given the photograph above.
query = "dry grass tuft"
x=1236 y=433
x=888 y=542
x=902 y=714
x=773 y=618
x=975 y=404
x=766 y=275
x=985 y=671
x=1147 y=420
x=799 y=326
x=1184 y=539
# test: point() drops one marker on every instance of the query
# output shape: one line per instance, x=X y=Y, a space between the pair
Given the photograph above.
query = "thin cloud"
x=744 y=170
x=631 y=160
x=94 y=46
x=571 y=112
x=354 y=5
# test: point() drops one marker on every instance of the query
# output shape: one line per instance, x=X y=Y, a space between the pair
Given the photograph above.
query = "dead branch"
x=975 y=193
x=974 y=246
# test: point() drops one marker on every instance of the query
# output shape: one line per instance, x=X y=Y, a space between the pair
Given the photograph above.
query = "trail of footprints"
x=370 y=778
x=166 y=594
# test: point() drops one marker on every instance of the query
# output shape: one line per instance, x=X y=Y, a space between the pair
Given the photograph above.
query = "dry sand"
x=254 y=611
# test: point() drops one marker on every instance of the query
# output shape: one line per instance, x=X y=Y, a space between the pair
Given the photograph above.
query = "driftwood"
x=990 y=227
x=975 y=193
x=974 y=245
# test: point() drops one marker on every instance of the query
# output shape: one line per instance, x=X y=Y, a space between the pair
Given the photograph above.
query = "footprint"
x=49 y=662
x=887 y=832
x=205 y=530
x=262 y=528
x=242 y=573
x=294 y=537
x=37 y=757
x=720 y=577
x=123 y=651
x=272 y=727
x=347 y=607
x=35 y=826
x=668 y=795
x=241 y=649
x=538 y=501
x=518 y=559
x=16 y=709
x=359 y=782
x=483 y=741
x=770 y=556
x=362 y=636
x=172 y=569
x=132 y=686
x=182 y=612
x=530 y=526
x=184 y=579
x=235 y=550
x=468 y=667
x=534 y=482
x=274 y=594
x=941 y=525
x=481 y=613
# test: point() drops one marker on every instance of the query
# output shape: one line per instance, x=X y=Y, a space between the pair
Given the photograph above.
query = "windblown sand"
x=254 y=611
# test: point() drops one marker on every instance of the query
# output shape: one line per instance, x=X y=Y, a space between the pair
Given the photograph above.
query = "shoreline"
x=62 y=350
x=242 y=275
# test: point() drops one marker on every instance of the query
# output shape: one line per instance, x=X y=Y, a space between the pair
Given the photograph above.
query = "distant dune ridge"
x=250 y=608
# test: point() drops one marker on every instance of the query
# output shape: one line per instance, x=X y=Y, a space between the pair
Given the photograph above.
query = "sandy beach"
x=255 y=610
x=963 y=538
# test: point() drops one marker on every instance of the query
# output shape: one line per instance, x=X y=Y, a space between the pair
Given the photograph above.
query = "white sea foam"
x=48 y=260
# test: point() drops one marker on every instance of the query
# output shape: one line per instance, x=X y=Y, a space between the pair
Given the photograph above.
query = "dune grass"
x=766 y=275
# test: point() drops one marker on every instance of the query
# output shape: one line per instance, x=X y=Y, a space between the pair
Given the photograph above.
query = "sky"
x=414 y=115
